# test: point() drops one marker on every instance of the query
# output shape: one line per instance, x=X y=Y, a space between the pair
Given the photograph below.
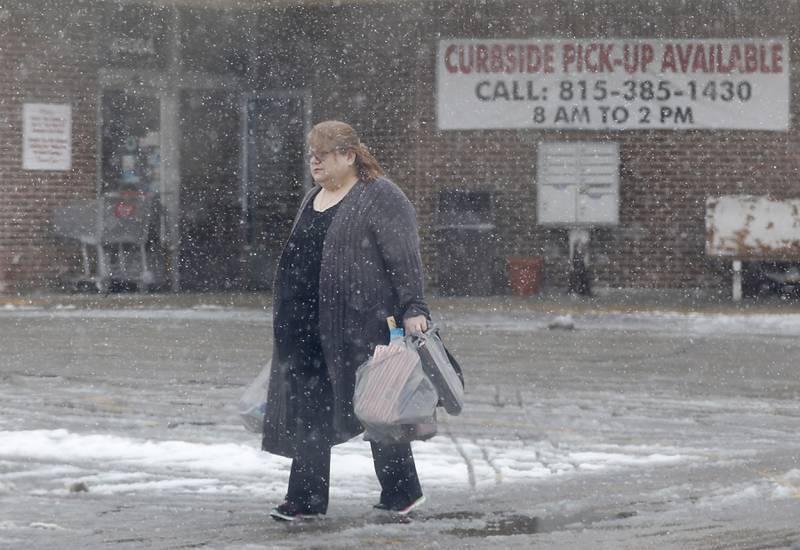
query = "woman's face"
x=332 y=169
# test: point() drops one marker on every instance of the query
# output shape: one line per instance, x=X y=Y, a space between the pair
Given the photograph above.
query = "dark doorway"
x=211 y=234
x=275 y=173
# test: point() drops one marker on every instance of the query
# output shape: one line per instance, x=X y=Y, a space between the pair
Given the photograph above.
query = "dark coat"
x=371 y=269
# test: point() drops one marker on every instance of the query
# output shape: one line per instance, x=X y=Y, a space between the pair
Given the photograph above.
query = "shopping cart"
x=117 y=227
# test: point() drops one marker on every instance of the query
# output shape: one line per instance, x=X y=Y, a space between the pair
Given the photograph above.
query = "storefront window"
x=131 y=143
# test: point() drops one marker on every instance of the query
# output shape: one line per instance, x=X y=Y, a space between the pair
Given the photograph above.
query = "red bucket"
x=523 y=275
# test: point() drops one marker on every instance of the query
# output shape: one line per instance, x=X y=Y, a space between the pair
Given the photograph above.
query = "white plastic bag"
x=393 y=397
x=253 y=402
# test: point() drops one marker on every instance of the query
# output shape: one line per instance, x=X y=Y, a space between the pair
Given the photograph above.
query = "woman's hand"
x=418 y=323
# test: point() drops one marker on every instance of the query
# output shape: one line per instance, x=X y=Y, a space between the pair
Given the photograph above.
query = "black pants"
x=309 y=480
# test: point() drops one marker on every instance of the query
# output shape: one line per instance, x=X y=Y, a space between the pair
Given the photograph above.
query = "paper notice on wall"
x=614 y=84
x=46 y=136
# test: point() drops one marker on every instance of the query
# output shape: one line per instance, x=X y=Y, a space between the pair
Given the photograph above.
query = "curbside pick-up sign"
x=615 y=84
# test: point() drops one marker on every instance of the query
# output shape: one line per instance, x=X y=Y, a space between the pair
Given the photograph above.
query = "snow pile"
x=657 y=321
x=16 y=308
x=563 y=322
x=788 y=485
x=54 y=460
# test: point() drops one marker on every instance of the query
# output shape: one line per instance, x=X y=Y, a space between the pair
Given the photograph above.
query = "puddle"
x=498 y=523
x=518 y=524
x=507 y=525
x=456 y=515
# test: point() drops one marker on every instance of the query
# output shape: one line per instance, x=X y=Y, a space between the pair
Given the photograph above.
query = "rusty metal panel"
x=750 y=227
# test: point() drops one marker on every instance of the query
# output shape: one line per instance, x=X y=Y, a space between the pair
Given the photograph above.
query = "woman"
x=352 y=260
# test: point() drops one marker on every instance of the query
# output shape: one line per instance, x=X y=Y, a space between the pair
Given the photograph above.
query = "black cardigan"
x=371 y=269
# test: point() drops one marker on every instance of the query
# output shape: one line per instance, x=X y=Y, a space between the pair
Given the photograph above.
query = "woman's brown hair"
x=334 y=135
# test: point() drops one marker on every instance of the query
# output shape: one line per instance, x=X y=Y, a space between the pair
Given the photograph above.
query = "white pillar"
x=171 y=181
x=737 y=280
x=171 y=147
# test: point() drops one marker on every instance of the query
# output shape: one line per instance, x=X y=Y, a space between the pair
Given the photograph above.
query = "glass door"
x=130 y=189
x=131 y=143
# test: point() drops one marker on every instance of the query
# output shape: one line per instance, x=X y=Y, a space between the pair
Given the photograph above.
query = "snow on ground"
x=659 y=321
x=198 y=313
x=112 y=463
x=144 y=407
x=108 y=464
x=665 y=322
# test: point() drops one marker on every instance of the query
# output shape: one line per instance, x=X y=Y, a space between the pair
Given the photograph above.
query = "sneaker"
x=407 y=510
x=402 y=511
x=289 y=512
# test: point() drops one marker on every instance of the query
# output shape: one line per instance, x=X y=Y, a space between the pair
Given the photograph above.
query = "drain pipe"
x=579 y=276
x=737 y=280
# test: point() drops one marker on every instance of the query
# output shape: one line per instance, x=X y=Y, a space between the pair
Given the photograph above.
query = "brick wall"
x=46 y=56
x=373 y=64
x=665 y=175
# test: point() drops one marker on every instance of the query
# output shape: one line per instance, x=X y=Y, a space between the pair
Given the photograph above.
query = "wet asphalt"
x=729 y=400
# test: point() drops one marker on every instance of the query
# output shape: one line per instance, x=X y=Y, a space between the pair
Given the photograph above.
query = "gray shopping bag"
x=441 y=368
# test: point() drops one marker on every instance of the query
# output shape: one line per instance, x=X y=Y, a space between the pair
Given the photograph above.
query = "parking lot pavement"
x=651 y=428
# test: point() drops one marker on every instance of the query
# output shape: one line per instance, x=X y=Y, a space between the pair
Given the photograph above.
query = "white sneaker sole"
x=407 y=510
x=275 y=514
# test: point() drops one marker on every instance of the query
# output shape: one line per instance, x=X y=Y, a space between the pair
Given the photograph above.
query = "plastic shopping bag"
x=253 y=402
x=394 y=400
x=441 y=368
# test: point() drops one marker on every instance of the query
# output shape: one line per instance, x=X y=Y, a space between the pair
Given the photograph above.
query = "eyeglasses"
x=317 y=156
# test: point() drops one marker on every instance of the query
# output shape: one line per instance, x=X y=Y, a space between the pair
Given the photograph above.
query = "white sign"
x=613 y=84
x=46 y=136
x=744 y=226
